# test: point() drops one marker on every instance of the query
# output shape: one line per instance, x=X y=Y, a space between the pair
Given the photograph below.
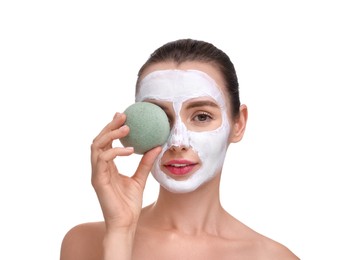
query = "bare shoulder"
x=83 y=241
x=270 y=249
x=253 y=245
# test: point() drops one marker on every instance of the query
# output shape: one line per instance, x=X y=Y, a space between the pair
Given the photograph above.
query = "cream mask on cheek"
x=179 y=86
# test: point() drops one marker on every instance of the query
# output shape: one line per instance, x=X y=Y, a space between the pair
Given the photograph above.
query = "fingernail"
x=123 y=127
x=117 y=114
x=129 y=148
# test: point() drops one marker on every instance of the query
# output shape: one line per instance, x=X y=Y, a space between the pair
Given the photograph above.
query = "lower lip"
x=180 y=171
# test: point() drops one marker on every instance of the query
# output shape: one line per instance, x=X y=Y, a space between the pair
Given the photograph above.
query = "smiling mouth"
x=180 y=168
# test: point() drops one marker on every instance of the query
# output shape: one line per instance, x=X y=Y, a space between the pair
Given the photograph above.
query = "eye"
x=203 y=117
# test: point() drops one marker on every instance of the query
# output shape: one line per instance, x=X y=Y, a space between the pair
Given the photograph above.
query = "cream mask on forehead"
x=179 y=86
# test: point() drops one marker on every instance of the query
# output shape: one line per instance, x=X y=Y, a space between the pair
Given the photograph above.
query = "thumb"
x=145 y=166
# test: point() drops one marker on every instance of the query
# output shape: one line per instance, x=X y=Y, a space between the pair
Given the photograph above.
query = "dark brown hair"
x=183 y=50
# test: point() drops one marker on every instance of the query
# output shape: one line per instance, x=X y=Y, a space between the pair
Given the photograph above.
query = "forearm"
x=118 y=245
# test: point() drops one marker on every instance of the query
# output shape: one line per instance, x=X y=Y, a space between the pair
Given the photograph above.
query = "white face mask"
x=179 y=86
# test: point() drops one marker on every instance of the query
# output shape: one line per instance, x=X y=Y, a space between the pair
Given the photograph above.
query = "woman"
x=196 y=85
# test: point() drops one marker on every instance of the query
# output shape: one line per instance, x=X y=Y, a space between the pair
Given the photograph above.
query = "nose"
x=178 y=138
x=178 y=148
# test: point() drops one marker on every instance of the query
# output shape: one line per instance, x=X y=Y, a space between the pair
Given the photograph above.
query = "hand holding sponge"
x=149 y=127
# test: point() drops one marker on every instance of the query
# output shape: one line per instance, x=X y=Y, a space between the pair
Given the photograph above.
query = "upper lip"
x=179 y=163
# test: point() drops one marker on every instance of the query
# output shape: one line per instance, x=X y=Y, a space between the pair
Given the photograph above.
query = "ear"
x=239 y=125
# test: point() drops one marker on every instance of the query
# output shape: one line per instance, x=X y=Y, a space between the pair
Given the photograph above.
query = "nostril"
x=178 y=148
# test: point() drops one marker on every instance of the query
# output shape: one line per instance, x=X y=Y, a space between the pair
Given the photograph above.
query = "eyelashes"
x=202 y=117
x=198 y=119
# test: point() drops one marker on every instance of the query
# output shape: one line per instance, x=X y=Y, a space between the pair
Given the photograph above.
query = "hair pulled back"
x=184 y=50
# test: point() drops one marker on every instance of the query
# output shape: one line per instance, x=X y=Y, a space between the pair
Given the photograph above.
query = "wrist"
x=118 y=244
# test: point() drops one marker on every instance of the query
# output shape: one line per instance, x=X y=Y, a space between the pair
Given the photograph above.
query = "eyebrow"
x=201 y=103
x=194 y=104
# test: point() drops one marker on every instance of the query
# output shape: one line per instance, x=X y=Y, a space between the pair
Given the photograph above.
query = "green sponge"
x=149 y=127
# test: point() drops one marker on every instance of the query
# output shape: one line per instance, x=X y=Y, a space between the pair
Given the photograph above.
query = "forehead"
x=211 y=70
x=178 y=85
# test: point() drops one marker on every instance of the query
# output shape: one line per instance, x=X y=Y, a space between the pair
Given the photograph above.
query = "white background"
x=67 y=66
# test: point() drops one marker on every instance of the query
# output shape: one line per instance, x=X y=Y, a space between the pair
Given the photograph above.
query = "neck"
x=192 y=213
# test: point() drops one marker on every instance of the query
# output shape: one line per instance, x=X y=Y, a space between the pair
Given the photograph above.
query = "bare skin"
x=190 y=225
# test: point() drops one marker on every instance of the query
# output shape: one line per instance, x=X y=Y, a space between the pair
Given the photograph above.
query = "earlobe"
x=239 y=126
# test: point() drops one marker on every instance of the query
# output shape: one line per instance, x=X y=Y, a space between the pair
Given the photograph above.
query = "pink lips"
x=180 y=167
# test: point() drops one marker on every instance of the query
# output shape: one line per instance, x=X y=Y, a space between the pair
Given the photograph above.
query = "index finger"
x=117 y=122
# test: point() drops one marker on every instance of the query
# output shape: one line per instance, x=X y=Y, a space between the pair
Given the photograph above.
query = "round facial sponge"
x=149 y=127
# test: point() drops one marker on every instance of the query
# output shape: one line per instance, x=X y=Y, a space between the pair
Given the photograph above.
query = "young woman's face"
x=193 y=98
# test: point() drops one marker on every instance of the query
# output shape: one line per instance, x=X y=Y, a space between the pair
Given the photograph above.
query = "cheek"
x=209 y=144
